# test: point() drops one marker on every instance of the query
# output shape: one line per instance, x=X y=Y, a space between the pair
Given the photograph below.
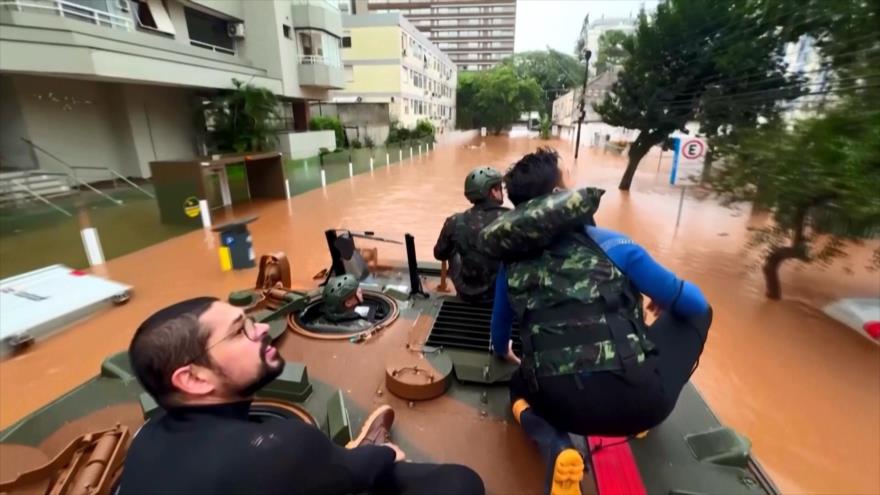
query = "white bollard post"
x=387 y=159
x=371 y=164
x=287 y=188
x=206 y=213
x=323 y=178
x=410 y=151
x=400 y=155
x=92 y=245
x=350 y=170
x=306 y=162
x=420 y=149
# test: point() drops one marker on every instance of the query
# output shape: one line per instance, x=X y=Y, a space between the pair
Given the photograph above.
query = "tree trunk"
x=637 y=151
x=771 y=268
x=707 y=165
x=797 y=250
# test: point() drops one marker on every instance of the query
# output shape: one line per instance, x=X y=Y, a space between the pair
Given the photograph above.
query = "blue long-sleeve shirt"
x=650 y=278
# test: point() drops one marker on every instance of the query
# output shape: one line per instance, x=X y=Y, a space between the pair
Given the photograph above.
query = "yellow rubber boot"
x=568 y=471
x=518 y=407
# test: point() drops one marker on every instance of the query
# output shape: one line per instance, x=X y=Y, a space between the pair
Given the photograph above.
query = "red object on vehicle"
x=614 y=467
x=873 y=329
x=78 y=273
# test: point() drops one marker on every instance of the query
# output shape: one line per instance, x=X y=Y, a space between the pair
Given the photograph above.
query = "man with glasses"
x=202 y=360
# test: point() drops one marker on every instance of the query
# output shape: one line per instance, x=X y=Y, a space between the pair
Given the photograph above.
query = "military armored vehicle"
x=423 y=351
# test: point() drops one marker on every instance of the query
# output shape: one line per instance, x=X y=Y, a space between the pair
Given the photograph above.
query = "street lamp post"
x=577 y=144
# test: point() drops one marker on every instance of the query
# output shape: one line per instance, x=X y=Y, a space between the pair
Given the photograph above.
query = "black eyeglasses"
x=248 y=329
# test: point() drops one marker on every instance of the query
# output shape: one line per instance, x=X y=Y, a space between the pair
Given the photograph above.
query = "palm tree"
x=244 y=119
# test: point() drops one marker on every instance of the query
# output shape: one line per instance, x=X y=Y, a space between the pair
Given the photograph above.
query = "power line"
x=780 y=87
x=757 y=97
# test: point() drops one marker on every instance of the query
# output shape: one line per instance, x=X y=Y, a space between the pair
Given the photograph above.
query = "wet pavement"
x=803 y=388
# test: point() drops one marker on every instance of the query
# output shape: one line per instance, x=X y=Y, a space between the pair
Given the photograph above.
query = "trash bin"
x=236 y=239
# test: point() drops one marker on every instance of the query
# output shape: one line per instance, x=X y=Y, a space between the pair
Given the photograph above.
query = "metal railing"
x=214 y=48
x=72 y=10
x=318 y=60
x=327 y=4
x=38 y=196
x=114 y=174
x=72 y=173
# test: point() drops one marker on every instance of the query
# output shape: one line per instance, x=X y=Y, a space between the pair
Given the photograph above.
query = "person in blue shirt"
x=591 y=402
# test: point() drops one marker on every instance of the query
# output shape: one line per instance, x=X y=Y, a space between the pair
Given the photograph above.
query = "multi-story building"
x=476 y=34
x=388 y=61
x=595 y=29
x=116 y=83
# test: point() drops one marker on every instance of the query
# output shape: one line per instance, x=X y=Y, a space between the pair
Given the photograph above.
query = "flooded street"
x=804 y=388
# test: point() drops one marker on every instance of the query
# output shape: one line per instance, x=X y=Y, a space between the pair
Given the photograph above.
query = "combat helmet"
x=479 y=182
x=336 y=292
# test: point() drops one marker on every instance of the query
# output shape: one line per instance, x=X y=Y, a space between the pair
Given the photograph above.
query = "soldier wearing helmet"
x=341 y=295
x=472 y=273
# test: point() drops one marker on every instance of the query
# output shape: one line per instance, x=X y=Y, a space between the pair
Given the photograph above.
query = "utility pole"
x=577 y=144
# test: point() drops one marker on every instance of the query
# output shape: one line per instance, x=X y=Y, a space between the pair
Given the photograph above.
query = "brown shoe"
x=376 y=429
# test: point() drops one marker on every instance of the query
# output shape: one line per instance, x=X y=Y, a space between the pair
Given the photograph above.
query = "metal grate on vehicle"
x=466 y=326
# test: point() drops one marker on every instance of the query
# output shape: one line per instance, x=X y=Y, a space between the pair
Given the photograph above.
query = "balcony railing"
x=213 y=48
x=319 y=60
x=327 y=4
x=71 y=10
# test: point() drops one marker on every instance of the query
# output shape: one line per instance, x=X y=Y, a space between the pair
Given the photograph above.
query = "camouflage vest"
x=472 y=272
x=578 y=311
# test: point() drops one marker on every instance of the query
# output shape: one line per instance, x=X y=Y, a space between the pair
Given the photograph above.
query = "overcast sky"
x=556 y=23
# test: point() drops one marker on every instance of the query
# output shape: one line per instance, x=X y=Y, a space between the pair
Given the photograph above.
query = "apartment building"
x=388 y=61
x=476 y=34
x=116 y=83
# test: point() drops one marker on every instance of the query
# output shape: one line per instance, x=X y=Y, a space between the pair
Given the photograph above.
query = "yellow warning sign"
x=191 y=207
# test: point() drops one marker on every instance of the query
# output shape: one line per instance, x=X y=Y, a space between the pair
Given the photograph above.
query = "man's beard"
x=267 y=372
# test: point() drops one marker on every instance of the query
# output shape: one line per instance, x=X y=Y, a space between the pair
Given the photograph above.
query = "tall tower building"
x=476 y=34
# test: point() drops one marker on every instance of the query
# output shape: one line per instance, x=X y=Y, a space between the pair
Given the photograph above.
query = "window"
x=346 y=42
x=152 y=16
x=318 y=47
x=207 y=31
x=284 y=116
x=349 y=73
x=287 y=32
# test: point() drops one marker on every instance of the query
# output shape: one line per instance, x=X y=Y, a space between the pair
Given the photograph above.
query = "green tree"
x=465 y=95
x=692 y=62
x=241 y=119
x=502 y=97
x=611 y=51
x=555 y=72
x=424 y=130
x=544 y=128
x=819 y=180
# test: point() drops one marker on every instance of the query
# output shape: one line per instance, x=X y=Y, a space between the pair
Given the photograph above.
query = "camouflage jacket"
x=552 y=264
x=472 y=272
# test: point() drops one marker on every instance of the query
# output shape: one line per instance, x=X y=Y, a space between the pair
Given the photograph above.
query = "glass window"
x=349 y=73
x=318 y=47
x=346 y=42
x=207 y=29
x=150 y=15
x=288 y=32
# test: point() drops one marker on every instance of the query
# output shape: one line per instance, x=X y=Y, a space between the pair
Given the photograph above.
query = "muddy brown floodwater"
x=804 y=388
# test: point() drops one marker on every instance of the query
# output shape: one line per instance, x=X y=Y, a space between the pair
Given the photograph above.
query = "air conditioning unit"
x=123 y=6
x=235 y=29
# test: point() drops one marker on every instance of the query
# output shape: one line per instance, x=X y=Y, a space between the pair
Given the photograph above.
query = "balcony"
x=65 y=38
x=118 y=19
x=317 y=14
x=320 y=72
